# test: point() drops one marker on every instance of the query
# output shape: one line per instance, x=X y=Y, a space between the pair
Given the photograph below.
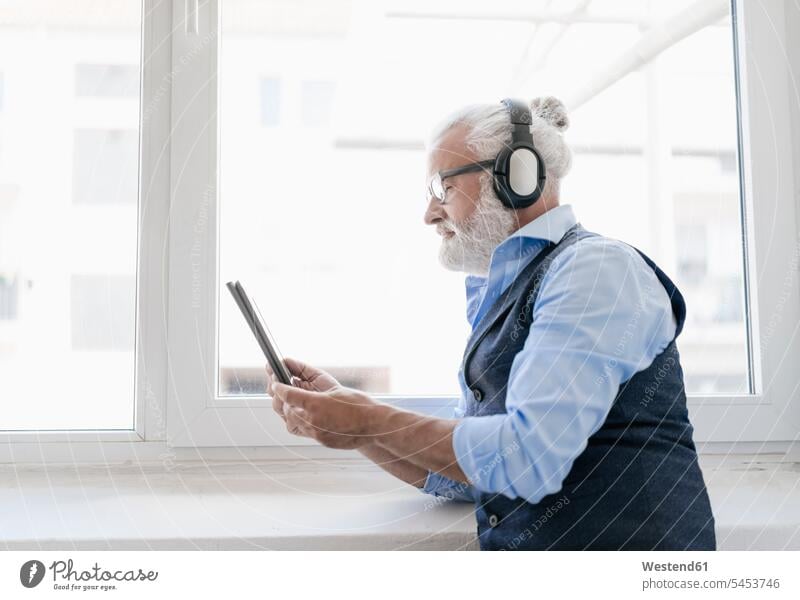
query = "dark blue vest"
x=637 y=485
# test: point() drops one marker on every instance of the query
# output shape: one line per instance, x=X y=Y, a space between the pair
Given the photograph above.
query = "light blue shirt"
x=600 y=317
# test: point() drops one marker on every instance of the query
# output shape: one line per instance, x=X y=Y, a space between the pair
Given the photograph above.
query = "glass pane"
x=325 y=107
x=69 y=130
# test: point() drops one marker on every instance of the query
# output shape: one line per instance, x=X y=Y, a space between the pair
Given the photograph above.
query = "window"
x=281 y=144
x=270 y=102
x=317 y=102
x=68 y=215
x=355 y=265
x=692 y=248
x=107 y=80
x=327 y=235
x=104 y=168
x=9 y=298
x=102 y=312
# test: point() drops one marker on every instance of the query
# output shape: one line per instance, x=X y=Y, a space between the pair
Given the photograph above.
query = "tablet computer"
x=261 y=331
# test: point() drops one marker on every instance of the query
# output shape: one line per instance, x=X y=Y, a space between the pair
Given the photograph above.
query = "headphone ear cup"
x=523 y=172
x=501 y=186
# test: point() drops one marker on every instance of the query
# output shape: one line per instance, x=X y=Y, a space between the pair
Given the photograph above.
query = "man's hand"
x=304 y=376
x=319 y=407
x=338 y=418
x=316 y=380
x=404 y=443
x=309 y=378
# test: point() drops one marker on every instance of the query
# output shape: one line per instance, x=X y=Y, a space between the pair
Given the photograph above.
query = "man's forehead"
x=450 y=149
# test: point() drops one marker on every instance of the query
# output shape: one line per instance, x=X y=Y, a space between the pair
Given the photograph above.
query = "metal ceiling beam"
x=654 y=41
x=516 y=16
x=415 y=145
x=527 y=67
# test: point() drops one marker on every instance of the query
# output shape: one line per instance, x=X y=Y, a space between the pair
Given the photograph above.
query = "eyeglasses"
x=436 y=185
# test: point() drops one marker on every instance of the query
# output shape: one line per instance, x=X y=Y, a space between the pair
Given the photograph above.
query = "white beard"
x=470 y=249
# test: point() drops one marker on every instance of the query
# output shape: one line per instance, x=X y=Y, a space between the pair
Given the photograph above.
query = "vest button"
x=493 y=520
x=477 y=394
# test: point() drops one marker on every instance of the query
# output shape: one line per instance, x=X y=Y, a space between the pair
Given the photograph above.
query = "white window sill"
x=346 y=504
x=278 y=505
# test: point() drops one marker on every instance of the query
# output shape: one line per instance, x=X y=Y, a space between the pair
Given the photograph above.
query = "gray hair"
x=490 y=130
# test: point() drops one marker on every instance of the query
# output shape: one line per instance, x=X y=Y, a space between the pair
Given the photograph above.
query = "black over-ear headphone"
x=519 y=174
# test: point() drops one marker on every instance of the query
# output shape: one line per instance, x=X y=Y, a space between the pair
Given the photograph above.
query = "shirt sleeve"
x=444 y=487
x=441 y=486
x=601 y=316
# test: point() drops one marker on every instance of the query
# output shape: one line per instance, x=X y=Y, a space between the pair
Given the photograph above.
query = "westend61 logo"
x=32 y=573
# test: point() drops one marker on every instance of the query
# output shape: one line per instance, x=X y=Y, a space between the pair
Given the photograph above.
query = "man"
x=572 y=430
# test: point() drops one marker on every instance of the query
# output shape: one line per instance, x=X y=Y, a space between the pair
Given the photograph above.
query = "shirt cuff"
x=483 y=450
x=441 y=486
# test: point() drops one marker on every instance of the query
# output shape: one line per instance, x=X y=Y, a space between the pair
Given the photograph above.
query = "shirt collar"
x=550 y=226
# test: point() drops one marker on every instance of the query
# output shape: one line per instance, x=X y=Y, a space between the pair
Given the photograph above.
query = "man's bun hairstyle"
x=552 y=110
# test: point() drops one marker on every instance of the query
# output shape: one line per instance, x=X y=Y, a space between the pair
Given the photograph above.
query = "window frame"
x=178 y=288
x=148 y=432
x=198 y=417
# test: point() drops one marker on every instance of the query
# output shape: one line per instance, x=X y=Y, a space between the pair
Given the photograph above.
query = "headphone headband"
x=520 y=115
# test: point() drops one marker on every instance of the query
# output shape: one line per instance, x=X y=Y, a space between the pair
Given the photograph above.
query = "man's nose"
x=434 y=212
